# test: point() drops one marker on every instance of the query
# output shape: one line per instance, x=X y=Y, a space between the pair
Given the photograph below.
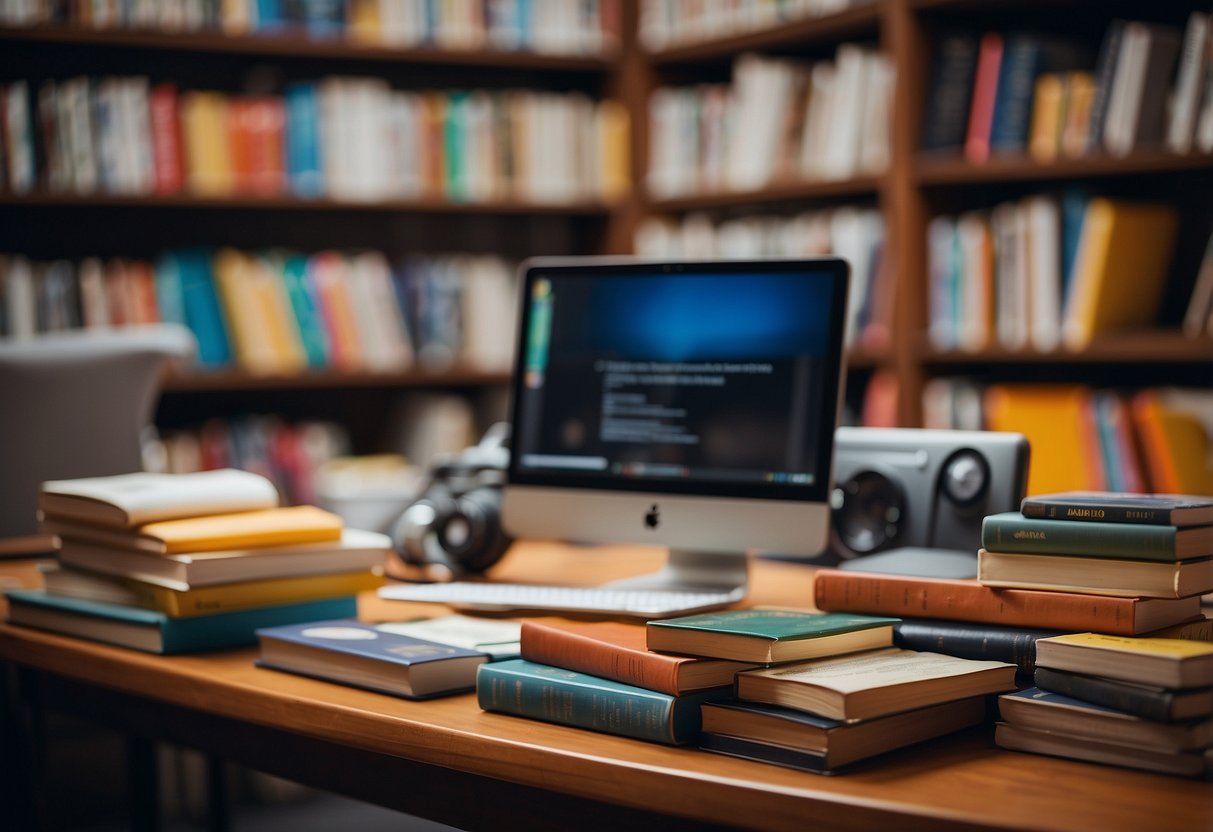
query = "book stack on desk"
x=184 y=562
x=1143 y=703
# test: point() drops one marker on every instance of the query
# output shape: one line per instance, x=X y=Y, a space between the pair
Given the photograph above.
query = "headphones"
x=455 y=525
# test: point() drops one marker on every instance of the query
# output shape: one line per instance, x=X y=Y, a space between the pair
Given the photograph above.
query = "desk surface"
x=958 y=782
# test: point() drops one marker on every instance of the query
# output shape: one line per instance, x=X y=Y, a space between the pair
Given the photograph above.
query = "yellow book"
x=614 y=138
x=1120 y=268
x=1175 y=446
x=236 y=279
x=208 y=164
x=204 y=600
x=1076 y=120
x=1166 y=662
x=277 y=317
x=1048 y=104
x=364 y=23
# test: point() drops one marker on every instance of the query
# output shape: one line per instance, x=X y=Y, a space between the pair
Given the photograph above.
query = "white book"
x=1204 y=127
x=1200 y=307
x=1188 y=82
x=75 y=122
x=763 y=94
x=843 y=139
x=656 y=238
x=850 y=233
x=140 y=131
x=1043 y=227
x=22 y=298
x=1127 y=83
x=382 y=326
x=877 y=104
x=1010 y=275
x=815 y=137
x=19 y=137
x=489 y=292
x=93 y=302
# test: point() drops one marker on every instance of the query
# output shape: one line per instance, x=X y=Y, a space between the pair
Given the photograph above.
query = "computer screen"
x=689 y=404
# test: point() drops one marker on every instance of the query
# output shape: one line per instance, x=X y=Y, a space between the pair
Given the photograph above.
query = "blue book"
x=203 y=313
x=566 y=697
x=307 y=311
x=304 y=168
x=170 y=300
x=1023 y=59
x=154 y=631
x=350 y=652
x=1073 y=212
x=269 y=15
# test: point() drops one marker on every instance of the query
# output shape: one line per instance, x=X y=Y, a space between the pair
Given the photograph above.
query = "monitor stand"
x=691 y=571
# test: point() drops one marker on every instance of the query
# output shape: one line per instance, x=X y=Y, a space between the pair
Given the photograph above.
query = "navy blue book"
x=1024 y=58
x=350 y=652
x=154 y=631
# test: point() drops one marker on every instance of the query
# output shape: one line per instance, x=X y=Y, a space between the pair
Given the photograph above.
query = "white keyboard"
x=519 y=597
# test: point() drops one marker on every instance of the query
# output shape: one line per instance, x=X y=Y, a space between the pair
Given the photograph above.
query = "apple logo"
x=652 y=518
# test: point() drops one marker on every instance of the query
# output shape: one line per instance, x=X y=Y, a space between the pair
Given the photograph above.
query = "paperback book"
x=1171 y=663
x=1074 y=747
x=1141 y=699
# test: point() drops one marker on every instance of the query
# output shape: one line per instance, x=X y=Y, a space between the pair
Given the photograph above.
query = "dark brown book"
x=617 y=650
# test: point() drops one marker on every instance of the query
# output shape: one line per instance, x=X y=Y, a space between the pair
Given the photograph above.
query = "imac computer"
x=690 y=405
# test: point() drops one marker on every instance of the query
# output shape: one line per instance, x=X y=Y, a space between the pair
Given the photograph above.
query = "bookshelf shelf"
x=297 y=46
x=856 y=188
x=951 y=171
x=243 y=381
x=1168 y=347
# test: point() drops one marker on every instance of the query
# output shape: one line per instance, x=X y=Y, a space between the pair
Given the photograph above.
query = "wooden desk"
x=448 y=760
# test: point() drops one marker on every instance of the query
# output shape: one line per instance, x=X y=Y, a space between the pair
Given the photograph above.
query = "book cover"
x=126 y=500
x=970 y=640
x=1172 y=663
x=1044 y=711
x=873 y=683
x=1011 y=531
x=350 y=652
x=768 y=635
x=567 y=697
x=966 y=600
x=156 y=632
x=1143 y=700
x=499 y=638
x=1095 y=575
x=618 y=650
x=1074 y=747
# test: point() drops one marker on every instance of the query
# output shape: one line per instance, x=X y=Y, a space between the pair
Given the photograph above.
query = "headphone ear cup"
x=471 y=534
x=414 y=534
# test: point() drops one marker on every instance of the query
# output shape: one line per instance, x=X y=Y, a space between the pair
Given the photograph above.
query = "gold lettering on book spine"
x=1096 y=513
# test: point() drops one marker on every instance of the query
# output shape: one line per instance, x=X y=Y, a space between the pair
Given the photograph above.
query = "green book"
x=566 y=697
x=769 y=636
x=307 y=312
x=1012 y=532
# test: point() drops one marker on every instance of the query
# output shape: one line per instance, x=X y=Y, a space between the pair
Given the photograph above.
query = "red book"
x=960 y=600
x=985 y=90
x=240 y=116
x=168 y=150
x=266 y=154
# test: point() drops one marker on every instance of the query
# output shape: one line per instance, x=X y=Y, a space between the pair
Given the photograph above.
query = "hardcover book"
x=1144 y=700
x=1113 y=507
x=617 y=650
x=567 y=697
x=1171 y=663
x=1070 y=746
x=967 y=600
x=1098 y=576
x=350 y=652
x=129 y=500
x=155 y=632
x=967 y=640
x=874 y=683
x=839 y=743
x=1012 y=532
x=768 y=636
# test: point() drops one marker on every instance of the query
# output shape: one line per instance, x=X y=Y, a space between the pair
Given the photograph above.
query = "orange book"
x=266 y=146
x=141 y=287
x=1057 y=421
x=1174 y=446
x=1076 y=121
x=835 y=590
x=1048 y=107
x=327 y=273
x=239 y=139
x=985 y=90
x=618 y=650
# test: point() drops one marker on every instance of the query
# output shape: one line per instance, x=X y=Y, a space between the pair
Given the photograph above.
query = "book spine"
x=1105 y=71
x=1013 y=101
x=966 y=641
x=838 y=591
x=543 y=693
x=558 y=648
x=1140 y=701
x=238 y=628
x=1088 y=513
x=1014 y=533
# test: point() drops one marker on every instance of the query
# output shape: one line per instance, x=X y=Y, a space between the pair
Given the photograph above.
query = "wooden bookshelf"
x=326 y=380
x=862 y=187
x=1158 y=347
x=932 y=172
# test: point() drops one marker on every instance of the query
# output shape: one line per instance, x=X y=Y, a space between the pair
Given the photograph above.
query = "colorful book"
x=826 y=744
x=1098 y=576
x=1143 y=700
x=1074 y=747
x=873 y=683
x=985 y=92
x=68 y=582
x=156 y=632
x=1175 y=444
x=1171 y=663
x=567 y=697
x=969 y=640
x=350 y=652
x=768 y=636
x=967 y=600
x=618 y=650
x=1011 y=531
x=127 y=500
x=203 y=312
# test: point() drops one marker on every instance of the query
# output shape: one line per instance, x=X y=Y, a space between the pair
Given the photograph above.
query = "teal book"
x=203 y=314
x=769 y=636
x=155 y=632
x=307 y=312
x=566 y=697
x=1013 y=532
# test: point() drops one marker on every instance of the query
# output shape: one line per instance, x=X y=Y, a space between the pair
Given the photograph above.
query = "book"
x=1113 y=507
x=356 y=550
x=1144 y=700
x=1044 y=711
x=1071 y=746
x=838 y=743
x=350 y=652
x=566 y=697
x=1189 y=81
x=69 y=582
x=768 y=636
x=1098 y=576
x=187 y=535
x=873 y=683
x=617 y=650
x=127 y=500
x=1171 y=663
x=155 y=632
x=949 y=93
x=499 y=638
x=836 y=590
x=1024 y=58
x=1174 y=441
x=985 y=91
x=1011 y=531
x=1104 y=74
x=1140 y=87
x=966 y=640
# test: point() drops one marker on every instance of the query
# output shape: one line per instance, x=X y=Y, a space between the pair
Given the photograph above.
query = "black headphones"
x=456 y=522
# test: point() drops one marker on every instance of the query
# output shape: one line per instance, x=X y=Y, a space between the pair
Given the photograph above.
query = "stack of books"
x=173 y=563
x=1143 y=703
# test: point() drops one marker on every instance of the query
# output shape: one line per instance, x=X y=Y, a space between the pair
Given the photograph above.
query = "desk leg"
x=143 y=784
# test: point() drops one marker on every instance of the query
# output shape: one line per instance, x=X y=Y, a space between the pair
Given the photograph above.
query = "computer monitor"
x=690 y=405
